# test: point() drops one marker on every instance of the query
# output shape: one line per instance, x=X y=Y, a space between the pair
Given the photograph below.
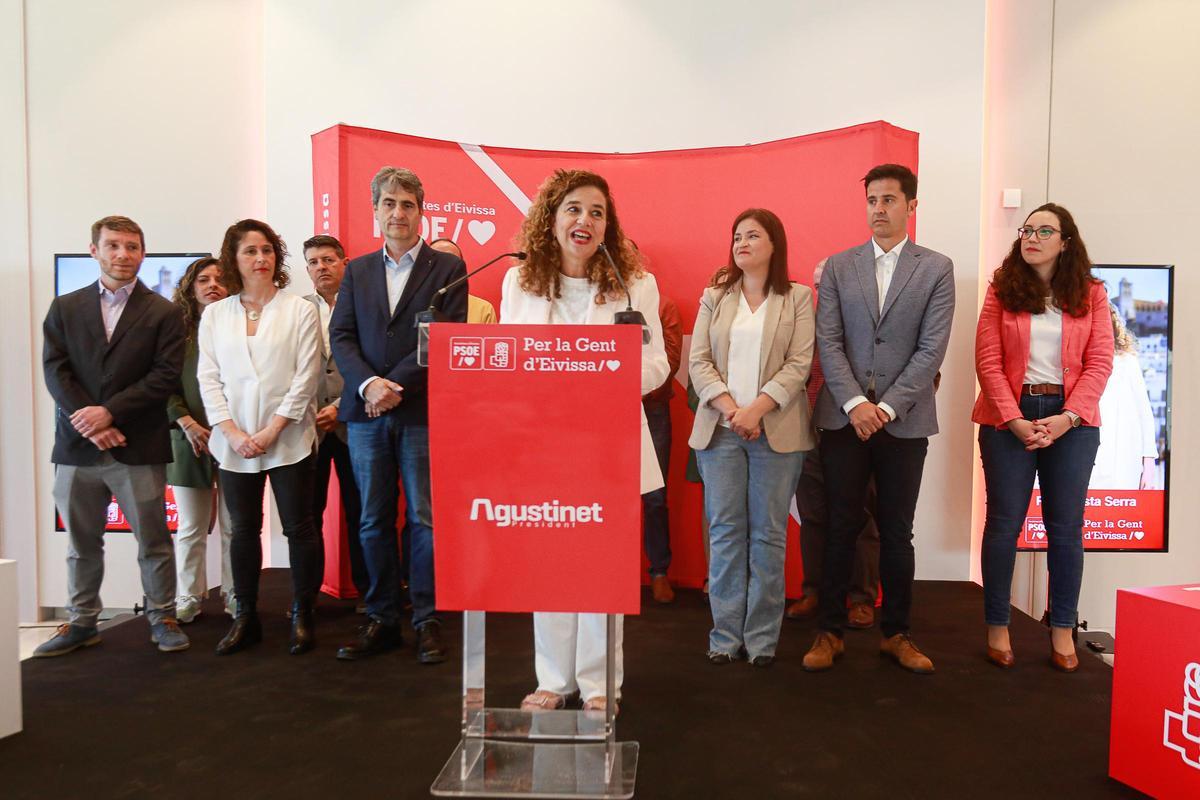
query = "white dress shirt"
x=745 y=353
x=250 y=379
x=885 y=268
x=397 y=274
x=112 y=305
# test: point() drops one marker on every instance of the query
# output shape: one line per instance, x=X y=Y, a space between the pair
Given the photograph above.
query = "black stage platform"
x=123 y=721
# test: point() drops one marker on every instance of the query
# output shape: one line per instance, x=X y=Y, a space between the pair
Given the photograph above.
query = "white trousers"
x=195 y=507
x=569 y=653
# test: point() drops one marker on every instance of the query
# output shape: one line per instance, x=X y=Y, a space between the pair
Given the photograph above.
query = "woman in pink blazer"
x=1043 y=353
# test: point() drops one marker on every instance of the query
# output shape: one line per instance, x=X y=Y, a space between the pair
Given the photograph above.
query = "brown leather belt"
x=1037 y=389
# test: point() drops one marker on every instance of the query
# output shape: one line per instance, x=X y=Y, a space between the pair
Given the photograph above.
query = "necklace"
x=253 y=315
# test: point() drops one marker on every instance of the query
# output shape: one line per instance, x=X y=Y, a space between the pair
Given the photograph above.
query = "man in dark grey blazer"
x=385 y=405
x=883 y=325
x=325 y=259
x=112 y=356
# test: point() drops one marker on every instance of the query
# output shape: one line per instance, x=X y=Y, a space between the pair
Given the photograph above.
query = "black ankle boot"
x=245 y=631
x=303 y=636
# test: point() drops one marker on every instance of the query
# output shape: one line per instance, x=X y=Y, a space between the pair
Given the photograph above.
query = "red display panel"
x=534 y=443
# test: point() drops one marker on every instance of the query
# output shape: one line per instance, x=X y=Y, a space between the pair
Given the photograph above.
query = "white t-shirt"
x=745 y=351
x=572 y=307
x=1045 y=346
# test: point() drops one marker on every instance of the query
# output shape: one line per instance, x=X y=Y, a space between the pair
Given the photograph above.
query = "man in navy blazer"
x=385 y=406
x=883 y=325
x=112 y=355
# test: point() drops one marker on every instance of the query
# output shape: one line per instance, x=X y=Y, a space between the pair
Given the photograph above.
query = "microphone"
x=434 y=312
x=630 y=316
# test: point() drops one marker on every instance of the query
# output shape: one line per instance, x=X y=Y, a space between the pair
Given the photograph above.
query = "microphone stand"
x=630 y=316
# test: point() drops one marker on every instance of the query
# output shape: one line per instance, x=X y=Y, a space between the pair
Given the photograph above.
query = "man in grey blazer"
x=325 y=259
x=883 y=325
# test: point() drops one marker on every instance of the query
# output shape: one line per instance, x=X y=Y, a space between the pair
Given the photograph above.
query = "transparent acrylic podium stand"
x=513 y=753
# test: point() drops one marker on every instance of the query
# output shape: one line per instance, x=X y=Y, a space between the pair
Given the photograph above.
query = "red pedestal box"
x=1154 y=745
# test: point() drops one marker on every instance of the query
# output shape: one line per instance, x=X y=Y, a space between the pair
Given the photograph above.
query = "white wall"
x=143 y=108
x=629 y=76
x=1124 y=128
x=188 y=115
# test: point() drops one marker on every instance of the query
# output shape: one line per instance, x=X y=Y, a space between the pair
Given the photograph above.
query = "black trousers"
x=292 y=487
x=656 y=531
x=334 y=454
x=896 y=464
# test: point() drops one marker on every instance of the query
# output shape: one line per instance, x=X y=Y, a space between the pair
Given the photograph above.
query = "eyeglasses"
x=1044 y=232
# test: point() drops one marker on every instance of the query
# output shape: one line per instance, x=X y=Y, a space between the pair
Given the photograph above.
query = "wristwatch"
x=1076 y=421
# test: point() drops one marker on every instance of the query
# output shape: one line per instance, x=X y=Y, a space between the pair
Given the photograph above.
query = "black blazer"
x=368 y=340
x=132 y=376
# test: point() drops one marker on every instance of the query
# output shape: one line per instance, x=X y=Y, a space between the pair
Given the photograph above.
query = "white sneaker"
x=187 y=609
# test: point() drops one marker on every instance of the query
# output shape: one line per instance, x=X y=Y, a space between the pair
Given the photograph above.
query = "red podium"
x=535 y=473
x=1155 y=739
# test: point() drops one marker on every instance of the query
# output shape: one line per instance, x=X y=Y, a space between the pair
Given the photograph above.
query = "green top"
x=187 y=469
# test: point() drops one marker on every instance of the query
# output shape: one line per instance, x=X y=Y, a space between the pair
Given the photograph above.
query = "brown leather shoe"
x=860 y=616
x=901 y=649
x=1001 y=658
x=1063 y=663
x=825 y=649
x=660 y=588
x=803 y=608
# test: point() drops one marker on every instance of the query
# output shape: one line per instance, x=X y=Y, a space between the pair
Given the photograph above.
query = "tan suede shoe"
x=660 y=589
x=825 y=649
x=860 y=616
x=803 y=608
x=901 y=649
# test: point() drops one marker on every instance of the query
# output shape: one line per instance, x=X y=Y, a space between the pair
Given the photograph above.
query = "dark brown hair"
x=777 y=271
x=323 y=240
x=185 y=297
x=899 y=172
x=120 y=224
x=233 y=237
x=540 y=272
x=1019 y=288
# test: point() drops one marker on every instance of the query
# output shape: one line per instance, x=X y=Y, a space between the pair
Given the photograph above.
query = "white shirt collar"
x=388 y=261
x=321 y=300
x=879 y=250
x=124 y=288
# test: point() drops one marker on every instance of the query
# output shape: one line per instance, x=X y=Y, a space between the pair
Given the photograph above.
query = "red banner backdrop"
x=677 y=205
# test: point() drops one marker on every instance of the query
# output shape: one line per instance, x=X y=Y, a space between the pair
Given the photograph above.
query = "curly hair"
x=1124 y=341
x=777 y=270
x=1019 y=288
x=185 y=297
x=229 y=247
x=540 y=273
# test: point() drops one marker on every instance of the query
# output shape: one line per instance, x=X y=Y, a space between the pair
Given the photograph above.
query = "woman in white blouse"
x=566 y=280
x=259 y=363
x=752 y=349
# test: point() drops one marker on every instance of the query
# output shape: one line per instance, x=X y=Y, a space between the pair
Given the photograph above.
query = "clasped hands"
x=381 y=396
x=868 y=419
x=1038 y=433
x=257 y=444
x=95 y=423
x=745 y=421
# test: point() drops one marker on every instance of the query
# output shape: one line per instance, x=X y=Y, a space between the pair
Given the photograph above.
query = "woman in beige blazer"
x=752 y=348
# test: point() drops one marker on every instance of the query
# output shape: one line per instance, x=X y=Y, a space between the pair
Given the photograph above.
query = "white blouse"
x=1045 y=346
x=249 y=379
x=745 y=349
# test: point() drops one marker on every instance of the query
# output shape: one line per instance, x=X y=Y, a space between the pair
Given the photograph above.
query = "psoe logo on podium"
x=1181 y=731
x=1035 y=530
x=500 y=352
x=466 y=352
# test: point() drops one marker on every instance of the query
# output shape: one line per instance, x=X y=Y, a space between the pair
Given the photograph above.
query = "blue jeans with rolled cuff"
x=748 y=490
x=1063 y=470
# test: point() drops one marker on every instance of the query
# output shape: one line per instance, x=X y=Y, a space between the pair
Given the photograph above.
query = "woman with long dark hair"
x=192 y=475
x=752 y=348
x=259 y=364
x=1043 y=353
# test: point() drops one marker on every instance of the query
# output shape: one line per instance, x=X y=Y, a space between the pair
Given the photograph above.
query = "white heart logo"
x=468 y=360
x=1139 y=535
x=614 y=365
x=481 y=231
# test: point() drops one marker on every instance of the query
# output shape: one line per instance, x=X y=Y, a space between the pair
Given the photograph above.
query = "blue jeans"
x=1063 y=470
x=748 y=489
x=384 y=451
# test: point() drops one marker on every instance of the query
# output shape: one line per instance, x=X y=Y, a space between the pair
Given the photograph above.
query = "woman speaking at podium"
x=567 y=280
